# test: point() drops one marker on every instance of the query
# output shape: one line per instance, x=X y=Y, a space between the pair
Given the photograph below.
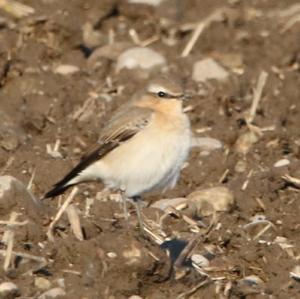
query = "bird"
x=142 y=147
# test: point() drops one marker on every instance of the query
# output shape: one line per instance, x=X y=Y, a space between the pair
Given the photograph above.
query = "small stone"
x=148 y=2
x=7 y=183
x=9 y=140
x=204 y=153
x=231 y=60
x=9 y=290
x=109 y=51
x=249 y=285
x=200 y=260
x=61 y=282
x=138 y=57
x=66 y=69
x=13 y=192
x=42 y=283
x=53 y=293
x=245 y=142
x=10 y=134
x=111 y=255
x=207 y=143
x=135 y=297
x=133 y=254
x=209 y=201
x=240 y=166
x=253 y=280
x=91 y=38
x=208 y=69
x=281 y=163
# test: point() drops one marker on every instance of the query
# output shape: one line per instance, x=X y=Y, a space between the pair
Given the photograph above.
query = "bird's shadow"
x=175 y=247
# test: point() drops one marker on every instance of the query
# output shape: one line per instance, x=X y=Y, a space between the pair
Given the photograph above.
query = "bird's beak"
x=184 y=97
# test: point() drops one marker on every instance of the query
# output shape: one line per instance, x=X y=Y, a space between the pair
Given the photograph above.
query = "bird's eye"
x=161 y=94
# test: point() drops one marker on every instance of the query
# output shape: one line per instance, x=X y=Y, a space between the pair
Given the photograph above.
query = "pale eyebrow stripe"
x=154 y=89
x=168 y=95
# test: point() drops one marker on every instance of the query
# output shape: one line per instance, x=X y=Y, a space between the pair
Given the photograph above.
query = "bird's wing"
x=119 y=129
x=122 y=127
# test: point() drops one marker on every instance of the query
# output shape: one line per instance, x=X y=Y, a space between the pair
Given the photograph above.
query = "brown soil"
x=38 y=105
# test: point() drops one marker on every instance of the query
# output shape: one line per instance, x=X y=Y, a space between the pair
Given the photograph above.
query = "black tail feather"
x=56 y=190
x=95 y=155
x=61 y=186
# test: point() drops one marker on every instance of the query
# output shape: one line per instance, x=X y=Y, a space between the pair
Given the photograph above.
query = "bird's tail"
x=71 y=179
x=57 y=190
x=74 y=176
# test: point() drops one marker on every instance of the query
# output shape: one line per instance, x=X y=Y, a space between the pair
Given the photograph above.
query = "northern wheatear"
x=142 y=147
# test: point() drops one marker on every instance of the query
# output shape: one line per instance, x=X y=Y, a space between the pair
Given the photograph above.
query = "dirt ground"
x=39 y=106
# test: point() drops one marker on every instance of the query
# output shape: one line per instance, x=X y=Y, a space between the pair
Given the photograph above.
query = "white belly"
x=151 y=159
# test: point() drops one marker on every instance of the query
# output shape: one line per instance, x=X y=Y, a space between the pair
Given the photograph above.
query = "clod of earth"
x=208 y=69
x=207 y=143
x=91 y=38
x=9 y=290
x=14 y=193
x=42 y=283
x=138 y=57
x=246 y=141
x=53 y=293
x=212 y=200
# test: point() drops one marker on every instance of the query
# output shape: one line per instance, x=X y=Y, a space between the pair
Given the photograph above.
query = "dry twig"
x=245 y=185
x=176 y=211
x=15 y=8
x=224 y=176
x=261 y=232
x=87 y=109
x=9 y=248
x=215 y=16
x=13 y=223
x=197 y=32
x=8 y=239
x=262 y=79
x=41 y=260
x=186 y=251
x=60 y=212
x=260 y=203
x=291 y=15
x=136 y=39
x=54 y=153
x=26 y=256
x=292 y=180
x=74 y=221
x=194 y=289
x=30 y=183
x=157 y=239
x=7 y=165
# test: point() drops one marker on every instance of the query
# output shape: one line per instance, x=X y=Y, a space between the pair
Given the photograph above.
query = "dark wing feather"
x=119 y=130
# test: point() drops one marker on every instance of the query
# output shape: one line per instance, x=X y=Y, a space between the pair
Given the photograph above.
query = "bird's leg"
x=137 y=202
x=124 y=199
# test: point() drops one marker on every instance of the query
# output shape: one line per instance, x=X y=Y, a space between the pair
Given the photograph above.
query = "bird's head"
x=163 y=89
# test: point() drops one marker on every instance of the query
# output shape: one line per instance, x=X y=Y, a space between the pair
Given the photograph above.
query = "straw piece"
x=262 y=79
x=74 y=221
x=60 y=212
